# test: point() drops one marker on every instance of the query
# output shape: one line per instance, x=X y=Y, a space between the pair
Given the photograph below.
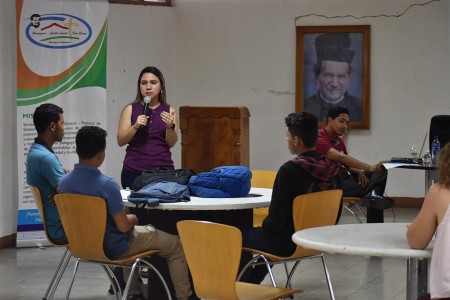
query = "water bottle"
x=435 y=148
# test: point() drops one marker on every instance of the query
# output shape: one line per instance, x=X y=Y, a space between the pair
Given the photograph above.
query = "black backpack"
x=180 y=176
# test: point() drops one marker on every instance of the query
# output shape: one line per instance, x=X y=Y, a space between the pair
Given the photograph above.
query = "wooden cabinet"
x=214 y=136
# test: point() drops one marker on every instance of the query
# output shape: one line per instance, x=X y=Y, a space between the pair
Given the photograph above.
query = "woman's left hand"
x=168 y=118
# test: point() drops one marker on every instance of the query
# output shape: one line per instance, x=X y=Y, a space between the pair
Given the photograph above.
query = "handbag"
x=180 y=176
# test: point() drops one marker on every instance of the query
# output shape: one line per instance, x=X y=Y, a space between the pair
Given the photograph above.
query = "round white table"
x=381 y=239
x=198 y=203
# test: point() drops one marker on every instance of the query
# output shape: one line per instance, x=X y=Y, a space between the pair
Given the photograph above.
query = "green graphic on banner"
x=91 y=71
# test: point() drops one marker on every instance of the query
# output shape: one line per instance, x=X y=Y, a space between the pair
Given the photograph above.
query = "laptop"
x=410 y=160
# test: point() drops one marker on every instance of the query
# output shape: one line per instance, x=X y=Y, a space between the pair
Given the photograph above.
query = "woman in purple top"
x=149 y=132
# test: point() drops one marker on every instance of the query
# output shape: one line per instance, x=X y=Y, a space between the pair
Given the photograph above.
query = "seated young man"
x=307 y=172
x=355 y=178
x=44 y=170
x=122 y=235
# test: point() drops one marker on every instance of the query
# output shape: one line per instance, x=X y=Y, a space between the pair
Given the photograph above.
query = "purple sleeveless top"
x=148 y=148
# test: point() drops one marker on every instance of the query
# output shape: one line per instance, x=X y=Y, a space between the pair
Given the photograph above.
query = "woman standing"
x=149 y=136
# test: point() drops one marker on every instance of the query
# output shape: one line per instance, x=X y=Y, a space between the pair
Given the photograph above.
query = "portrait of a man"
x=332 y=77
x=35 y=20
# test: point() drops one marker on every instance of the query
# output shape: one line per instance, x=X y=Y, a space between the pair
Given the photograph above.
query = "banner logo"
x=57 y=31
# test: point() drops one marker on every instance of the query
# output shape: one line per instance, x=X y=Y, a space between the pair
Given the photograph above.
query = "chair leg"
x=247 y=265
x=133 y=269
x=58 y=274
x=287 y=275
x=75 y=269
x=353 y=213
x=294 y=267
x=360 y=209
x=113 y=280
x=169 y=296
x=253 y=261
x=130 y=278
x=330 y=287
x=269 y=269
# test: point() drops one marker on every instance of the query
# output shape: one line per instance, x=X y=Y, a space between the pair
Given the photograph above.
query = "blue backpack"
x=221 y=182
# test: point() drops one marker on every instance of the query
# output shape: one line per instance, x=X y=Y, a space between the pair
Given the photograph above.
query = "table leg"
x=431 y=177
x=417 y=278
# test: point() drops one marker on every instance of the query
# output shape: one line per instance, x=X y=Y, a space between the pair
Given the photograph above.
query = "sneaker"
x=376 y=201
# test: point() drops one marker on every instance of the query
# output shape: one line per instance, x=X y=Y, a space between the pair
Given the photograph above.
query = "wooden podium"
x=213 y=137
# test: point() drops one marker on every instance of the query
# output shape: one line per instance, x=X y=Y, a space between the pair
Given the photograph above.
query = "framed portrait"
x=333 y=69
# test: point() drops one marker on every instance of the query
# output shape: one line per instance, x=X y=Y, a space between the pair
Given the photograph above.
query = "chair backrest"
x=263 y=178
x=315 y=210
x=213 y=253
x=440 y=126
x=40 y=206
x=84 y=221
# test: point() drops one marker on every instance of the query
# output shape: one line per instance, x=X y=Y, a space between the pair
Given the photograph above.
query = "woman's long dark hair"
x=155 y=71
x=444 y=166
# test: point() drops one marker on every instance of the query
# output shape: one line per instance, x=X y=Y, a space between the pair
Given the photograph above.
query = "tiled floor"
x=26 y=272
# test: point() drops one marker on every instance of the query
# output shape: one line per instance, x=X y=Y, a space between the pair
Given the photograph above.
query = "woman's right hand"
x=141 y=121
x=126 y=130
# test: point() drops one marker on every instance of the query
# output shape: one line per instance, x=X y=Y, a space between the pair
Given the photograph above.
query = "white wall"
x=138 y=36
x=242 y=52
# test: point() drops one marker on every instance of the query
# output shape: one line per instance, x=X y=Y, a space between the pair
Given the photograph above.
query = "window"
x=143 y=2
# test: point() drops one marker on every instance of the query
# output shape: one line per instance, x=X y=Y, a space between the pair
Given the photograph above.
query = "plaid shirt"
x=322 y=170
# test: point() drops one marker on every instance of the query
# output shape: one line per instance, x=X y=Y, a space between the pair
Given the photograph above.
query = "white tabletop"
x=381 y=239
x=198 y=203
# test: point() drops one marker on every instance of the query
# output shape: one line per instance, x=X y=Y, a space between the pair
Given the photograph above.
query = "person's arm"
x=126 y=130
x=170 y=120
x=353 y=164
x=52 y=171
x=111 y=193
x=422 y=229
x=124 y=222
x=280 y=210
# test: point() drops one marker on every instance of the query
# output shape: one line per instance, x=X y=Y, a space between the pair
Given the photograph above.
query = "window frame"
x=141 y=2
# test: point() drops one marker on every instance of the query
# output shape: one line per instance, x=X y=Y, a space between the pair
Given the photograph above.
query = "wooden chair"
x=213 y=252
x=84 y=221
x=349 y=203
x=262 y=179
x=66 y=256
x=309 y=210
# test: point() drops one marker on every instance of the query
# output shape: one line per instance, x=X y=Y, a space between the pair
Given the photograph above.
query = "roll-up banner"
x=61 y=59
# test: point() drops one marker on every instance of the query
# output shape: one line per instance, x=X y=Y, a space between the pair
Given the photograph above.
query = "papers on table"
x=391 y=165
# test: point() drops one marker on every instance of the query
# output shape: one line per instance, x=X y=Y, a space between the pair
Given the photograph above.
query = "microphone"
x=146 y=104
